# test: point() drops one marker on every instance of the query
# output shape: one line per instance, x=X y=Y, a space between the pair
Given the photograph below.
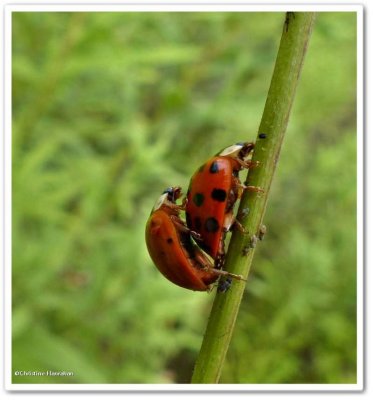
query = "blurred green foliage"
x=111 y=108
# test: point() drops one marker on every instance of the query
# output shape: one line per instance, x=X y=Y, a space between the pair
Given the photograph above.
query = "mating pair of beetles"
x=191 y=254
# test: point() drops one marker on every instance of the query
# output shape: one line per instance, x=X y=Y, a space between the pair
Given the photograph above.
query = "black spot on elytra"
x=211 y=225
x=214 y=168
x=198 y=199
x=197 y=223
x=170 y=240
x=219 y=194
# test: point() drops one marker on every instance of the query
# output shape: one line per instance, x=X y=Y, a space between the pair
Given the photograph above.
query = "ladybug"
x=212 y=194
x=172 y=249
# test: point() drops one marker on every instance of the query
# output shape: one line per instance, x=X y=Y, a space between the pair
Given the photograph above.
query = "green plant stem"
x=295 y=36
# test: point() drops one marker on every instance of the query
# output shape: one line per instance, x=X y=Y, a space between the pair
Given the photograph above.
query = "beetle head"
x=173 y=193
x=238 y=150
x=170 y=195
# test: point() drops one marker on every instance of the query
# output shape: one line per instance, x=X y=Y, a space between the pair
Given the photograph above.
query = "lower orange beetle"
x=172 y=249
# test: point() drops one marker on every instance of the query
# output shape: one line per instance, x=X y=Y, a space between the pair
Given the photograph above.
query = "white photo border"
x=185 y=6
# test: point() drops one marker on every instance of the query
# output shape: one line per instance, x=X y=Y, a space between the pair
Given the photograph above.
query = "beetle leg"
x=203 y=261
x=248 y=164
x=195 y=235
x=183 y=228
x=240 y=227
x=174 y=206
x=252 y=188
x=183 y=204
x=226 y=273
x=222 y=272
x=252 y=164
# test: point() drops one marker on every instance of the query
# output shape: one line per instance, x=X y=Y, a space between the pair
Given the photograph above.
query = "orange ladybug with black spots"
x=170 y=245
x=212 y=194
